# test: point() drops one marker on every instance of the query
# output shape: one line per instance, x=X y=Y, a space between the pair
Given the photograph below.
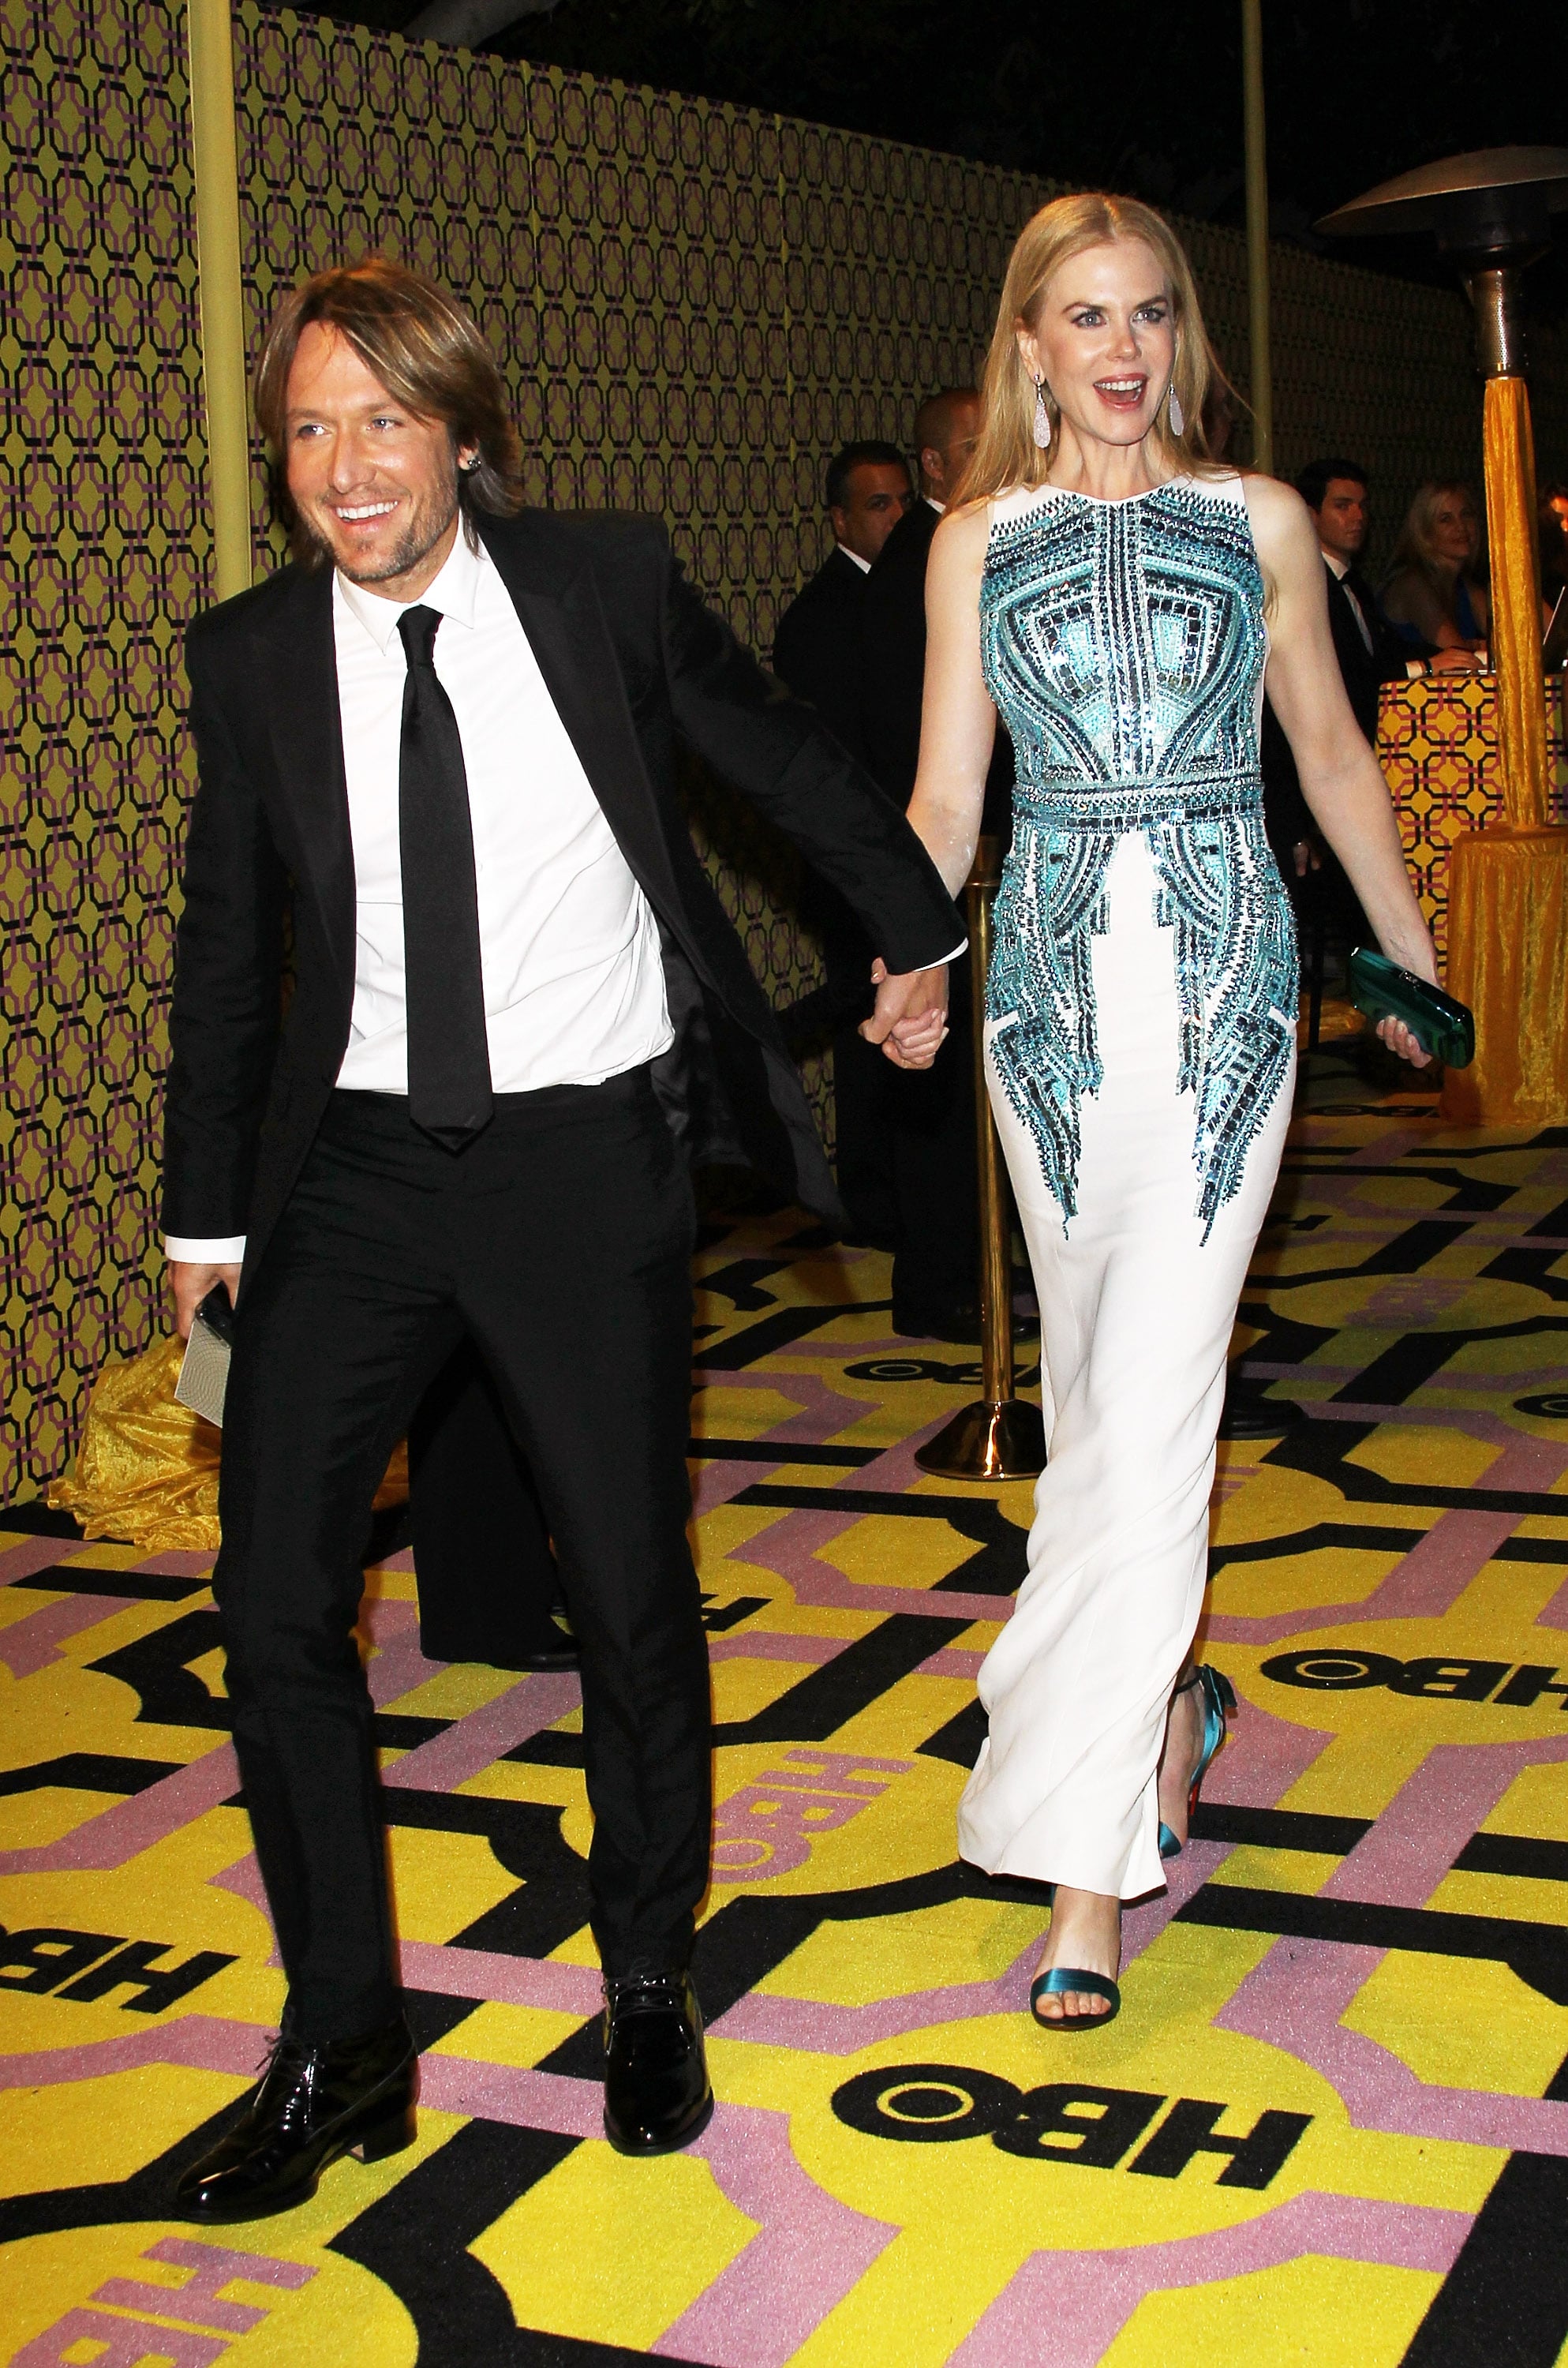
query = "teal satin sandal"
x=1057 y=1982
x=1219 y=1696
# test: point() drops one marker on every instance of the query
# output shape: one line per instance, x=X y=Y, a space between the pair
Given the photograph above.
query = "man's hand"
x=1305 y=858
x=909 y=1021
x=190 y=1285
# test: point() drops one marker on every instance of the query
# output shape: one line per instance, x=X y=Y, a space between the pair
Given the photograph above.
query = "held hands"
x=909 y=1021
x=190 y=1285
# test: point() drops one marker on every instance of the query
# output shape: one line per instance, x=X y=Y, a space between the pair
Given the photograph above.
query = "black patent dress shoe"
x=313 y=2104
x=657 y=2093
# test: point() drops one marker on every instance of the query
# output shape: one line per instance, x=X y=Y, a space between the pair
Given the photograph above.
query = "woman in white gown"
x=1119 y=596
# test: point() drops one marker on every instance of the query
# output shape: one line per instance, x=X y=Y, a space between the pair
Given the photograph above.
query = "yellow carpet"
x=1331 y=2124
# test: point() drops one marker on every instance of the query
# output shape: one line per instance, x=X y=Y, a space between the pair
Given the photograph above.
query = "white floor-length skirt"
x=1136 y=1316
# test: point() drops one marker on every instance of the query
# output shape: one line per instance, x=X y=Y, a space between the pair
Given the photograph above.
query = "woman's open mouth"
x=1122 y=394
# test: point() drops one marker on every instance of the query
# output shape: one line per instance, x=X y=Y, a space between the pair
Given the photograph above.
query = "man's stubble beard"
x=417 y=542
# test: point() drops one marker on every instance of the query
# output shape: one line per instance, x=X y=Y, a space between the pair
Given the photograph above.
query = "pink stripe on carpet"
x=33 y=1554
x=764 y=1644
x=121 y=1833
x=1431 y=1577
x=33 y=1642
x=476 y=1741
x=200 y=2042
x=809 y=2252
x=509 y=1981
x=1293 y=2000
x=1064 y=2310
x=789 y=1549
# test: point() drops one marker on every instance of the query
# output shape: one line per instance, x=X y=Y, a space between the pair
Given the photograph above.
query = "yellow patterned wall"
x=694 y=304
x=102 y=462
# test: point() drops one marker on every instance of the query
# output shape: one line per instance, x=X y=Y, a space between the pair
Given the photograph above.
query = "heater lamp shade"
x=1495 y=201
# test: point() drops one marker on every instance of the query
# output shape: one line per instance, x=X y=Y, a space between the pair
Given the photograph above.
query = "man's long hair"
x=426 y=351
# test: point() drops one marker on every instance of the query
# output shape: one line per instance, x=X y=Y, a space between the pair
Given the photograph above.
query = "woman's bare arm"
x=958 y=725
x=1340 y=777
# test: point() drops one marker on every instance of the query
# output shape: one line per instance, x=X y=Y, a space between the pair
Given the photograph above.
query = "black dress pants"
x=560 y=1239
x=482 y=1559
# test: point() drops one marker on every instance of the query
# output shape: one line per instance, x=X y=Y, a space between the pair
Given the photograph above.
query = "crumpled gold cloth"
x=147 y=1470
x=1508 y=959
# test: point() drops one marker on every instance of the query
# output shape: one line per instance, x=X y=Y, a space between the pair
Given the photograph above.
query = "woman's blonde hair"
x=1006 y=453
x=1415 y=553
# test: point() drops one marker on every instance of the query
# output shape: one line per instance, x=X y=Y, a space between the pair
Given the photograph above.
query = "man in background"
x=817 y=651
x=931 y=1130
x=817 y=647
x=1369 y=653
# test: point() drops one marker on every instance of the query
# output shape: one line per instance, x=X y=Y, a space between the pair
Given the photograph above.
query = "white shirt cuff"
x=185 y=1249
x=961 y=948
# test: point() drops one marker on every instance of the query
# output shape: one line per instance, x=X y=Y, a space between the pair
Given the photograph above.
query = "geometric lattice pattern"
x=1437 y=746
x=106 y=556
x=1331 y=2117
x=694 y=304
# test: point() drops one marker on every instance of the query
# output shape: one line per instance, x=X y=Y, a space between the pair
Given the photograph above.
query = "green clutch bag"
x=1383 y=991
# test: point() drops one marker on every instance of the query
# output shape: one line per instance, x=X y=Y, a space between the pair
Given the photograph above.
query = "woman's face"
x=1105 y=338
x=1454 y=528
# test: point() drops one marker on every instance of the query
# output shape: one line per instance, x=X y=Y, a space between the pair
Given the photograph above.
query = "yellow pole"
x=1516 y=635
x=1257 y=235
x=218 y=259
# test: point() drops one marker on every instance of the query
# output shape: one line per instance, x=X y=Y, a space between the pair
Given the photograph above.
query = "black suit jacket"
x=634 y=662
x=1286 y=814
x=893 y=646
x=817 y=649
x=893 y=652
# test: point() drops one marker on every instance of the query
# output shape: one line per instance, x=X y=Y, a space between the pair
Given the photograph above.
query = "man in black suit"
x=1369 y=653
x=446 y=762
x=817 y=652
x=930 y=1116
x=817 y=649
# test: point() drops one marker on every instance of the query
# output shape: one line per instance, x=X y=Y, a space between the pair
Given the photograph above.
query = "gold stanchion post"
x=1000 y=1437
x=218 y=265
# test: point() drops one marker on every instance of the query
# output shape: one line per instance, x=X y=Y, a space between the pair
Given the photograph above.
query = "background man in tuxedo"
x=441 y=744
x=929 y=1117
x=1369 y=653
x=817 y=651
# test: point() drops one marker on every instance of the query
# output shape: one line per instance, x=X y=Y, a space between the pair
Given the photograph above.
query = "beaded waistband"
x=1092 y=805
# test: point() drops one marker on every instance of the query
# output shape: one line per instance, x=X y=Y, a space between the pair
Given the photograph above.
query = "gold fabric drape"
x=1516 y=600
x=1508 y=887
x=1508 y=959
x=147 y=1471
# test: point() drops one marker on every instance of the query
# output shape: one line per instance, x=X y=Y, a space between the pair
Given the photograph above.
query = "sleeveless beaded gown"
x=1141 y=1045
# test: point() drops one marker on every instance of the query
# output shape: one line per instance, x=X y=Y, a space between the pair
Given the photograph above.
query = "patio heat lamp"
x=1490 y=215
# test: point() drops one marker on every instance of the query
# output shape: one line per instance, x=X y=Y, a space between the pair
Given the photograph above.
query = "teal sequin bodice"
x=1124 y=645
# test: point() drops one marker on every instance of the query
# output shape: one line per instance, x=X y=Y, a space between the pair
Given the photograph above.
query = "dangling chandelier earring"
x=1177 y=416
x=1042 y=417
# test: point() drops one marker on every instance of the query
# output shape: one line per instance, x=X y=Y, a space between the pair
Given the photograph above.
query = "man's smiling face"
x=374 y=482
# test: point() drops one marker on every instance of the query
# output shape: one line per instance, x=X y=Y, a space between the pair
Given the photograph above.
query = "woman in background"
x=1117 y=593
x=1432 y=592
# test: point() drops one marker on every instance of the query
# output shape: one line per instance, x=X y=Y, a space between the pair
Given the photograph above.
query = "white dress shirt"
x=854 y=558
x=569 y=948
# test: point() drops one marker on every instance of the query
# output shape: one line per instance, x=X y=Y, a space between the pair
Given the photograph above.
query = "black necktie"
x=448 y=1054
